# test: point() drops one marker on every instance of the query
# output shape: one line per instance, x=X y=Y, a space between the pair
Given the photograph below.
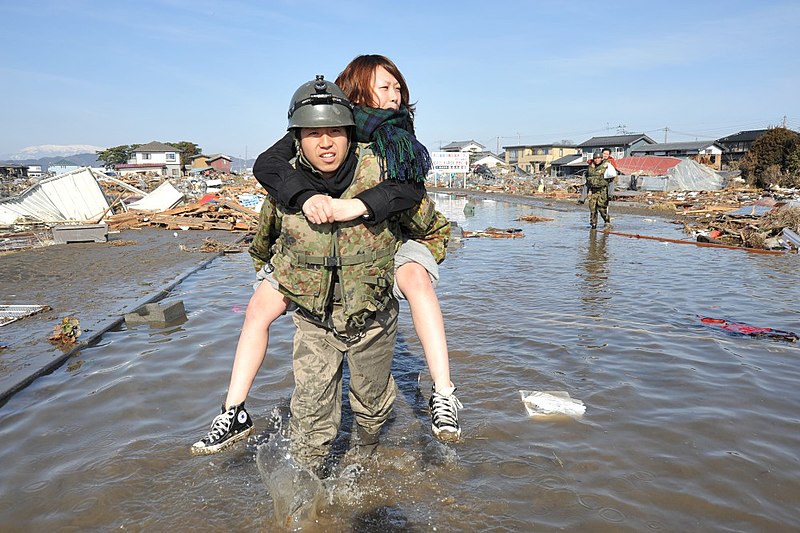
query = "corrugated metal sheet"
x=73 y=196
x=164 y=197
x=647 y=165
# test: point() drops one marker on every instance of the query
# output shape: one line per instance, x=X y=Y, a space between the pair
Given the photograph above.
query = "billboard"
x=450 y=161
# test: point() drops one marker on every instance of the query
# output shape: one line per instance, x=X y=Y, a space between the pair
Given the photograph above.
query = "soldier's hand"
x=344 y=210
x=318 y=209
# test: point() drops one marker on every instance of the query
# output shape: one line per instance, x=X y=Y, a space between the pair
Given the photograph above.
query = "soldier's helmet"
x=597 y=155
x=319 y=104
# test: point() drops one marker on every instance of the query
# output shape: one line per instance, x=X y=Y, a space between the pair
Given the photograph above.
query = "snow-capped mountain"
x=53 y=150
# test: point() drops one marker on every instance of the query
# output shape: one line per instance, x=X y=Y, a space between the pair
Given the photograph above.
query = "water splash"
x=296 y=492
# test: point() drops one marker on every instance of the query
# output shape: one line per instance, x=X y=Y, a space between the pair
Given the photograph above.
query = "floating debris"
x=544 y=403
x=496 y=233
x=67 y=332
x=12 y=313
x=740 y=328
x=534 y=218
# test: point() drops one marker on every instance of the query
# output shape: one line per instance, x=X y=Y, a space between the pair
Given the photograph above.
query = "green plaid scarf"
x=401 y=156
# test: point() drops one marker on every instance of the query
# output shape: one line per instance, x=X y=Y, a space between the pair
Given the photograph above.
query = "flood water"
x=687 y=428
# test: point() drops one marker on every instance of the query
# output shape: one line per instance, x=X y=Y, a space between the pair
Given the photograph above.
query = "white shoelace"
x=221 y=424
x=444 y=410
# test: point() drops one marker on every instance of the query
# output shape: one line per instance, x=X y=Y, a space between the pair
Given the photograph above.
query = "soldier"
x=598 y=189
x=339 y=276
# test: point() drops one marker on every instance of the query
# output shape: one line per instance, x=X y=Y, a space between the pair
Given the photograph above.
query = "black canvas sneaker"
x=229 y=427
x=444 y=416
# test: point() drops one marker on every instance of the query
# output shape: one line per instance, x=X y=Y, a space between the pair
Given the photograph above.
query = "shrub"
x=774 y=159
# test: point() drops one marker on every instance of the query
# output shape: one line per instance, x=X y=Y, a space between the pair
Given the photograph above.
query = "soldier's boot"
x=367 y=442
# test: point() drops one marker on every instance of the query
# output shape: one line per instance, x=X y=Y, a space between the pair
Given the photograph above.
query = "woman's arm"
x=292 y=189
x=390 y=197
x=281 y=180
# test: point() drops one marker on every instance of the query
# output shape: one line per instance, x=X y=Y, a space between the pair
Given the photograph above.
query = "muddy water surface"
x=686 y=428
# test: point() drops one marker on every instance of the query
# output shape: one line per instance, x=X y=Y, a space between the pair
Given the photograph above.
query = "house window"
x=146 y=156
x=170 y=156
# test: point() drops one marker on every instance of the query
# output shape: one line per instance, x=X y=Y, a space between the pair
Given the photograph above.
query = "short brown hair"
x=356 y=80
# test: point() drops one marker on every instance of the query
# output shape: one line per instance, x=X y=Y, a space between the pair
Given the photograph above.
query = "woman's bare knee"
x=413 y=278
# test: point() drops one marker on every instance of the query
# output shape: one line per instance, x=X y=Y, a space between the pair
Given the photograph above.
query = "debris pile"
x=208 y=214
x=214 y=246
x=766 y=224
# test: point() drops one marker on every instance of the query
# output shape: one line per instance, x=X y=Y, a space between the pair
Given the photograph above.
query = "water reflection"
x=594 y=288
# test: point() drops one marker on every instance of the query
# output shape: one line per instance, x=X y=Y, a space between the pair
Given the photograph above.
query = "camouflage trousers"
x=316 y=405
x=598 y=203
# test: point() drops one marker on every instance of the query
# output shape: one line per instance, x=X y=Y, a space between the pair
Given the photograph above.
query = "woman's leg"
x=234 y=423
x=415 y=283
x=265 y=306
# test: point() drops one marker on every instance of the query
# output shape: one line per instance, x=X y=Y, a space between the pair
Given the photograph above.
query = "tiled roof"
x=460 y=144
x=566 y=159
x=743 y=136
x=156 y=146
x=615 y=140
x=672 y=147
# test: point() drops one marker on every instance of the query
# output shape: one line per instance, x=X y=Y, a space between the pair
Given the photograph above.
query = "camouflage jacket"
x=595 y=176
x=306 y=256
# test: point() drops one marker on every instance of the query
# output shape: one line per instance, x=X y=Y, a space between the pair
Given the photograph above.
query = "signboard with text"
x=450 y=161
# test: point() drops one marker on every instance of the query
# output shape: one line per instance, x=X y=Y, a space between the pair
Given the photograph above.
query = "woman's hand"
x=345 y=210
x=319 y=209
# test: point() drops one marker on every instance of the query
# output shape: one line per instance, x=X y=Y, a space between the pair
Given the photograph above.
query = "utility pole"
x=666 y=130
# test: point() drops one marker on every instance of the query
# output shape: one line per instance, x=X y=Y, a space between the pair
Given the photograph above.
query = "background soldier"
x=598 y=189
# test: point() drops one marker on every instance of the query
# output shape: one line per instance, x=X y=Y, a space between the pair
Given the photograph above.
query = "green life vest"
x=306 y=256
x=595 y=176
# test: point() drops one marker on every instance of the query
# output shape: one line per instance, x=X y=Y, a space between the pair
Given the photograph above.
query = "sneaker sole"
x=446 y=435
x=210 y=450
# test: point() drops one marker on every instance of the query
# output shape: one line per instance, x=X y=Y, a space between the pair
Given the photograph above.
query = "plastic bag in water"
x=544 y=403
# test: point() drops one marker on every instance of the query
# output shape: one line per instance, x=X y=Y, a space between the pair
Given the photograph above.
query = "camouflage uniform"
x=598 y=192
x=340 y=275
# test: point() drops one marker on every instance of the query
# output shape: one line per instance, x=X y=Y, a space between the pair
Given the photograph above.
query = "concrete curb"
x=97 y=334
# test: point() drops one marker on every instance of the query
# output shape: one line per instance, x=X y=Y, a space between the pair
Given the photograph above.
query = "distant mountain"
x=53 y=150
x=238 y=164
x=90 y=160
x=81 y=160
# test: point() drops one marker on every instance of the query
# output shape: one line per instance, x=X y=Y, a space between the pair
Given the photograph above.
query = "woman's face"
x=385 y=90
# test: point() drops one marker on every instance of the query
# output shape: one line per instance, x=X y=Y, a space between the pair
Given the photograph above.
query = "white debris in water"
x=544 y=403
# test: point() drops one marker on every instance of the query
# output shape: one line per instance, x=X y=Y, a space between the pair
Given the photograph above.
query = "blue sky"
x=220 y=74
